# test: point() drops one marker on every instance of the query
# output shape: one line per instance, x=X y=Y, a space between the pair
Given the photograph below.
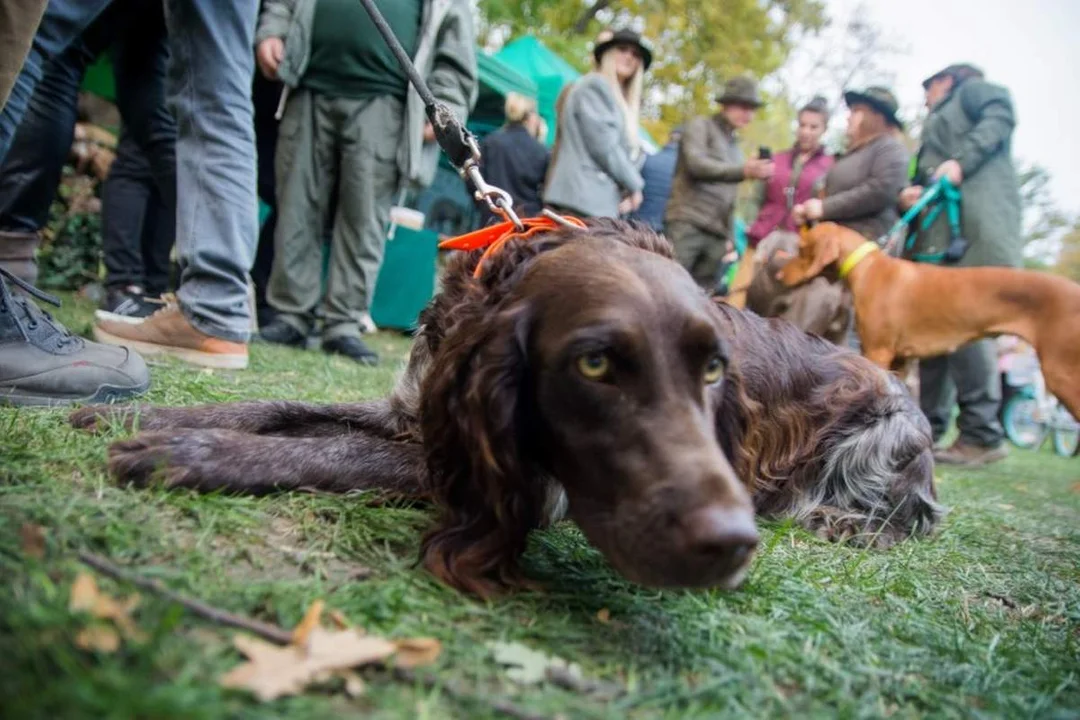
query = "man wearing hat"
x=707 y=175
x=967 y=137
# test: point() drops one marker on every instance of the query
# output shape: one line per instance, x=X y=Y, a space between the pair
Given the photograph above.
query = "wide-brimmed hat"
x=958 y=71
x=740 y=91
x=879 y=99
x=623 y=36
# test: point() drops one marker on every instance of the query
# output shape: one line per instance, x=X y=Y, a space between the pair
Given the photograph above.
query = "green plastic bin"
x=406 y=279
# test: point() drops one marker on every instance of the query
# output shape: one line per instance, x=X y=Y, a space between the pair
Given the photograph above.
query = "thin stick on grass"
x=278 y=635
x=264 y=630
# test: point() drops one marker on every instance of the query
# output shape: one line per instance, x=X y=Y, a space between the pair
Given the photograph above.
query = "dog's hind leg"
x=294 y=419
x=230 y=461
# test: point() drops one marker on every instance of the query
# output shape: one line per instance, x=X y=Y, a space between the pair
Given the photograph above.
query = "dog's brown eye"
x=714 y=370
x=594 y=365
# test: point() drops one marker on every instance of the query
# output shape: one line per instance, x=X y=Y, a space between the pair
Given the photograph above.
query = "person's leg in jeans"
x=31 y=172
x=265 y=95
x=41 y=363
x=936 y=394
x=210 y=71
x=62 y=23
x=972 y=370
x=140 y=67
x=158 y=236
x=18 y=22
x=125 y=198
x=370 y=132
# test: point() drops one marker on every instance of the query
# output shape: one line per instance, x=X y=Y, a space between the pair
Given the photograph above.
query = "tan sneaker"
x=168 y=332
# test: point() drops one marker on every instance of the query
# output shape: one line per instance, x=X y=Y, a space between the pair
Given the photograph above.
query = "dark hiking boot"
x=353 y=348
x=42 y=363
x=969 y=455
x=127 y=304
x=280 y=332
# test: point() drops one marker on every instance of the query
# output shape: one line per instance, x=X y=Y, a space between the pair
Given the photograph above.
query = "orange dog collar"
x=495 y=236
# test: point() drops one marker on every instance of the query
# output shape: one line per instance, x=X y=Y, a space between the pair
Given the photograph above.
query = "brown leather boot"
x=17 y=254
x=969 y=455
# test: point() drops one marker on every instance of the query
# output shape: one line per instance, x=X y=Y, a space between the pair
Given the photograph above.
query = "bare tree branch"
x=582 y=23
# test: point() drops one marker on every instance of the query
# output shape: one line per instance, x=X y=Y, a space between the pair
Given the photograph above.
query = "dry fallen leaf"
x=415 y=652
x=33 y=540
x=1006 y=506
x=85 y=597
x=99 y=637
x=273 y=671
x=527 y=666
x=604 y=616
x=1075 y=487
x=354 y=684
x=310 y=622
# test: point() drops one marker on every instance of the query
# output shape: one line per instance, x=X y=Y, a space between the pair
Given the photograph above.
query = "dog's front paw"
x=98 y=418
x=192 y=459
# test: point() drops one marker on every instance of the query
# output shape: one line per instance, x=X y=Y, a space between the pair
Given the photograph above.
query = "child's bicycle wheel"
x=1065 y=432
x=1023 y=425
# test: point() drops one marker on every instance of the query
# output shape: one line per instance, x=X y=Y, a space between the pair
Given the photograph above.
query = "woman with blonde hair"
x=595 y=166
x=513 y=159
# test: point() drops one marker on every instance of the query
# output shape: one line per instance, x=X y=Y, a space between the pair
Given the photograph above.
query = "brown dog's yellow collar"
x=856 y=257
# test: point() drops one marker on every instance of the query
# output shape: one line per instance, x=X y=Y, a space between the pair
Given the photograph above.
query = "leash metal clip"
x=497 y=199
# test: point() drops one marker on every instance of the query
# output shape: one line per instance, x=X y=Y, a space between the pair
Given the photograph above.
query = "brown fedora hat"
x=741 y=90
x=879 y=99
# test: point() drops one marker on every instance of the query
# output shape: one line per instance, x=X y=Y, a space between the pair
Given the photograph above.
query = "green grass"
x=982 y=620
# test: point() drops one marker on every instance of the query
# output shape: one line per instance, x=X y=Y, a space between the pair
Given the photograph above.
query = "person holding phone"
x=799 y=171
x=709 y=169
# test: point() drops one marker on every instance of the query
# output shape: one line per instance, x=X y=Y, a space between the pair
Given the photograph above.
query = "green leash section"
x=943 y=195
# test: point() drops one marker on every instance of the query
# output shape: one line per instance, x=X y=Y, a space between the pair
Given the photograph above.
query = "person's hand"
x=757 y=169
x=429 y=133
x=813 y=209
x=952 y=170
x=909 y=196
x=631 y=202
x=268 y=55
x=798 y=215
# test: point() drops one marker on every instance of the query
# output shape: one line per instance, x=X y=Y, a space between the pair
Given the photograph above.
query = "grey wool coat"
x=592 y=169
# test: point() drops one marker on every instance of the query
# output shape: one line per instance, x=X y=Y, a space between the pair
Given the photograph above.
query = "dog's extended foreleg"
x=231 y=461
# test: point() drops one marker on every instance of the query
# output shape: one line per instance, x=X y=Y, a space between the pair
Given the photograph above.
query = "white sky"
x=1032 y=48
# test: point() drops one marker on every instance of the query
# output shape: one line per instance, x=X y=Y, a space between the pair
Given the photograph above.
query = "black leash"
x=453 y=137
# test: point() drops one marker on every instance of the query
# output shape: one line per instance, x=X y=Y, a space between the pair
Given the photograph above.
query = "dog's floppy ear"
x=818 y=248
x=479 y=475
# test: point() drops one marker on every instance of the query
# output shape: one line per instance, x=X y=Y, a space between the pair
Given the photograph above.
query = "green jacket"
x=445 y=58
x=707 y=176
x=974 y=126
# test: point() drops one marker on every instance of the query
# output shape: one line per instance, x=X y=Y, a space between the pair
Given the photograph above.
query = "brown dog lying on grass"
x=906 y=310
x=583 y=372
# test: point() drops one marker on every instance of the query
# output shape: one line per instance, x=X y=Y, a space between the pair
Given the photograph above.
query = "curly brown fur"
x=494 y=422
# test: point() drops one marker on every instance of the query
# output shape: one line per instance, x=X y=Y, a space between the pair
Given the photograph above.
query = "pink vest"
x=774 y=213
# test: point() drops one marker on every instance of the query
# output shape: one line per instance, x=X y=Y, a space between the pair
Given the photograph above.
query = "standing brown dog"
x=906 y=310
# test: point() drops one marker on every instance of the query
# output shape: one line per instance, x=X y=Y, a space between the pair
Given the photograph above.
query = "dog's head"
x=819 y=248
x=592 y=358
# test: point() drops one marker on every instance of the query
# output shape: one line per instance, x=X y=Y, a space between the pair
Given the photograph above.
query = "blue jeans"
x=212 y=63
x=31 y=171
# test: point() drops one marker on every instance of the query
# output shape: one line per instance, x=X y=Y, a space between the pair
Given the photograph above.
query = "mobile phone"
x=764 y=153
